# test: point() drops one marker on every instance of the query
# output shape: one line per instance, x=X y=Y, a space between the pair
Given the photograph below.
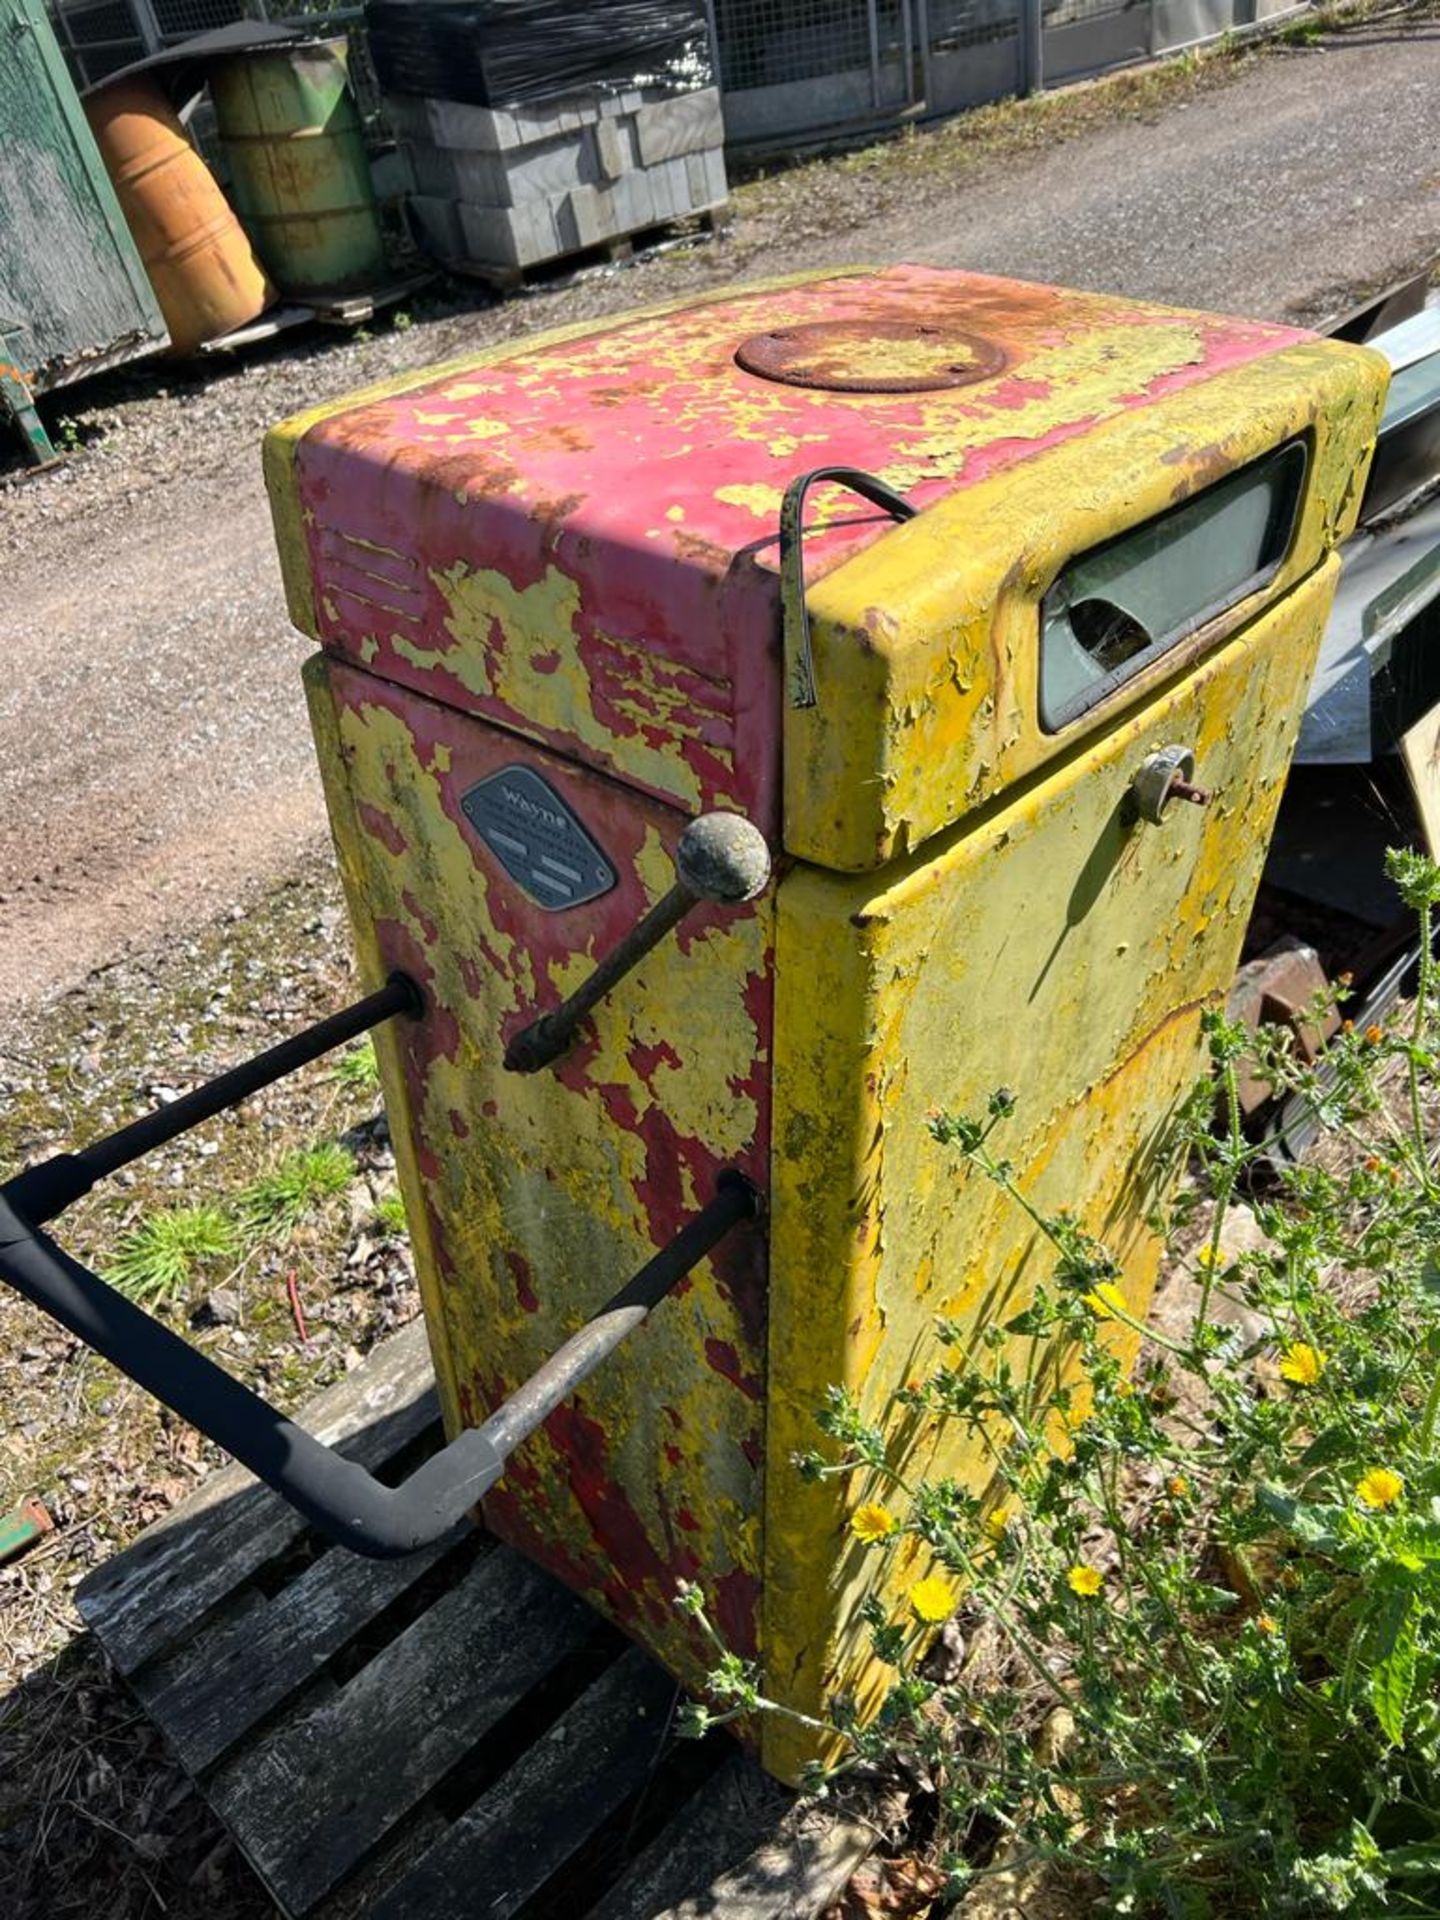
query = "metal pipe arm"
x=335 y=1495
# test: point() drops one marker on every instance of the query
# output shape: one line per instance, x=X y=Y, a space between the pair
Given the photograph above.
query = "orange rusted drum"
x=198 y=256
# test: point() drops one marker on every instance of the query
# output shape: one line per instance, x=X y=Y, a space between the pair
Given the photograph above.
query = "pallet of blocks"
x=512 y=165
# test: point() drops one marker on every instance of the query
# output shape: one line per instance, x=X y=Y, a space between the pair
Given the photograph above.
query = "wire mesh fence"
x=791 y=71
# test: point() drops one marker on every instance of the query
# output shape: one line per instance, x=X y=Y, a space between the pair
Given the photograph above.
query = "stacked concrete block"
x=513 y=188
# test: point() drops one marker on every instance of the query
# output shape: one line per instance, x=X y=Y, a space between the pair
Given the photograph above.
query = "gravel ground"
x=166 y=899
x=154 y=758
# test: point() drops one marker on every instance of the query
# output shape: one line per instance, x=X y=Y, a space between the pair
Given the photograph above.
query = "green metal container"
x=289 y=127
x=73 y=294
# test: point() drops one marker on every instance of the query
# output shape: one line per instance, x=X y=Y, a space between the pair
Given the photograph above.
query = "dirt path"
x=154 y=758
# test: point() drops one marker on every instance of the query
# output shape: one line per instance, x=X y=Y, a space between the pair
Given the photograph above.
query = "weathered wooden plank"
x=796 y=1872
x=309 y=1799
x=503 y=1850
x=156 y=1591
x=237 y=1670
x=72 y=279
x=357 y=1898
x=717 y=1827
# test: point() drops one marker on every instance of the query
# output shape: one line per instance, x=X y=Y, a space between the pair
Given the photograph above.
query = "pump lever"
x=721 y=858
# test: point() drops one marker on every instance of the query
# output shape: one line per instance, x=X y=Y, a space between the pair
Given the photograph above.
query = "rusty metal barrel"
x=198 y=257
x=288 y=122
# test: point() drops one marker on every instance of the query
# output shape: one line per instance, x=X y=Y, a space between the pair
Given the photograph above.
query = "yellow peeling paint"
x=990 y=959
x=926 y=644
x=282 y=443
x=515 y=645
x=1025 y=930
x=761 y=500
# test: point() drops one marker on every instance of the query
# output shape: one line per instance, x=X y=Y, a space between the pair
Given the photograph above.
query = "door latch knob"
x=1165 y=776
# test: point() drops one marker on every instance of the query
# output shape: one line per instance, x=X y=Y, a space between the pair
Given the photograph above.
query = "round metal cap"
x=872 y=356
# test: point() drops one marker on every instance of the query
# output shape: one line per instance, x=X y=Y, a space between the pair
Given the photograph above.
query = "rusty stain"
x=872 y=356
x=206 y=277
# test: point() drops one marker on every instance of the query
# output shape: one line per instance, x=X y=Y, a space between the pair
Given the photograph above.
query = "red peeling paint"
x=381 y=827
x=726 y=1362
x=524 y=1280
x=429 y=932
x=735 y=1603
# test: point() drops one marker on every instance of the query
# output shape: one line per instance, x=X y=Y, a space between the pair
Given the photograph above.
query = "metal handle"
x=334 y=1494
x=798 y=653
x=721 y=858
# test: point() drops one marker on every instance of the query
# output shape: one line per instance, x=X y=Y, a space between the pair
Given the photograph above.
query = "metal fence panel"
x=974 y=52
x=790 y=70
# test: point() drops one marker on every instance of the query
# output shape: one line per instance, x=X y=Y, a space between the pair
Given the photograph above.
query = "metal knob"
x=720 y=858
x=1165 y=776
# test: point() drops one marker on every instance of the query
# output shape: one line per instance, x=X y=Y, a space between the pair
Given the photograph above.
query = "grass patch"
x=390 y=1213
x=357 y=1070
x=166 y=1250
x=303 y=1182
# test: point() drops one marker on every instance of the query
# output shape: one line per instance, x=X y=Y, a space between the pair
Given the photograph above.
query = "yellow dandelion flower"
x=1374 y=1035
x=1086 y=1581
x=1380 y=1487
x=1106 y=1301
x=1267 y=1623
x=1302 y=1363
x=996 y=1521
x=1177 y=1486
x=1207 y=1257
x=872 y=1523
x=932 y=1599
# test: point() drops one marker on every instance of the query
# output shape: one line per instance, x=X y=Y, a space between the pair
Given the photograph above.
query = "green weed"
x=390 y=1212
x=164 y=1252
x=275 y=1204
x=357 y=1070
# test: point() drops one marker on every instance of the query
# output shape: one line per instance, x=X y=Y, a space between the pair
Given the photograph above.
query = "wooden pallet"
x=562 y=268
x=344 y=310
x=450 y=1734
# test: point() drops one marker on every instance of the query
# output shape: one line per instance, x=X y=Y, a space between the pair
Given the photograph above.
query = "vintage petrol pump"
x=914 y=659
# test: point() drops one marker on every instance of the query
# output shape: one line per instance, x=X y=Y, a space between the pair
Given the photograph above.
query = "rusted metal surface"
x=1280 y=987
x=200 y=262
x=875 y=356
x=563 y=559
x=289 y=125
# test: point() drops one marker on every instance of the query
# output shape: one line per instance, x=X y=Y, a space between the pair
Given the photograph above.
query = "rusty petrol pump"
x=700 y=845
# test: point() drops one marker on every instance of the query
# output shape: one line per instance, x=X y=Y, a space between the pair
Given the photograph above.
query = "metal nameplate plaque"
x=537 y=839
